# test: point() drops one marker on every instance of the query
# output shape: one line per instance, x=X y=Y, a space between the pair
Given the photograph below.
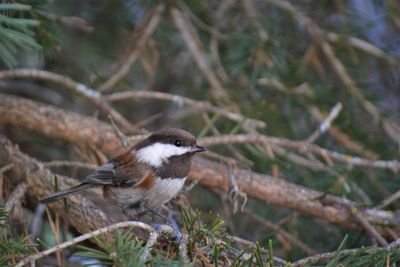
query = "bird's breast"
x=145 y=195
x=162 y=191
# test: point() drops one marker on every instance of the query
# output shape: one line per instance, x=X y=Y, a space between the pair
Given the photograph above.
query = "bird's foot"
x=176 y=232
x=160 y=228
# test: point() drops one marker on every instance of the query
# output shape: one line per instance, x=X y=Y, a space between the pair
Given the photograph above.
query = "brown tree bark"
x=80 y=212
x=74 y=128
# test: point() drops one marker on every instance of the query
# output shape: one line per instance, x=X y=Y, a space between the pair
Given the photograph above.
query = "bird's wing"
x=122 y=170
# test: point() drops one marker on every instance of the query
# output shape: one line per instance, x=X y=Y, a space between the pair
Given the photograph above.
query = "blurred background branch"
x=297 y=101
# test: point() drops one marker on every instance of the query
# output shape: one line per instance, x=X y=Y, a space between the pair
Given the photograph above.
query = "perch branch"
x=70 y=127
x=149 y=245
x=89 y=235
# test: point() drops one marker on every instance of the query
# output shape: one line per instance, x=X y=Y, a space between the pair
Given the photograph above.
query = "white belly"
x=162 y=192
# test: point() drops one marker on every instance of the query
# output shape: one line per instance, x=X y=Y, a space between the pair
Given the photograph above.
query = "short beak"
x=198 y=149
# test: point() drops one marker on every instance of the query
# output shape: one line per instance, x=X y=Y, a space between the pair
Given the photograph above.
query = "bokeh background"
x=282 y=63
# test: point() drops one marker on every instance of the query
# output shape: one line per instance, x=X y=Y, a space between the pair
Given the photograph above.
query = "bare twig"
x=387 y=201
x=235 y=194
x=326 y=124
x=71 y=127
x=328 y=200
x=302 y=147
x=181 y=100
x=194 y=45
x=343 y=138
x=231 y=148
x=89 y=235
x=72 y=22
x=183 y=253
x=362 y=45
x=6 y=168
x=121 y=135
x=297 y=159
x=149 y=245
x=145 y=31
x=80 y=88
x=391 y=129
x=15 y=197
x=368 y=227
x=295 y=241
x=55 y=229
x=339 y=135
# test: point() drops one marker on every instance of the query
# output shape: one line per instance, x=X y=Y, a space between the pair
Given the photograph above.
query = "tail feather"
x=65 y=192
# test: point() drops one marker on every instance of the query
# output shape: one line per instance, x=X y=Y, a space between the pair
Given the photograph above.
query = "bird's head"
x=165 y=144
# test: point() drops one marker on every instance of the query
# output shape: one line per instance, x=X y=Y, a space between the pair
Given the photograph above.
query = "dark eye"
x=178 y=143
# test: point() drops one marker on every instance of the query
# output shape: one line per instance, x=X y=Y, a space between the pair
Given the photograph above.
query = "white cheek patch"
x=158 y=153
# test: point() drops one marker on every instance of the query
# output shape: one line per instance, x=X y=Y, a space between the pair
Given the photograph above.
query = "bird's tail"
x=65 y=192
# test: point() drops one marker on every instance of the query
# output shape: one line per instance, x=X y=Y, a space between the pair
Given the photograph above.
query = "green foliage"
x=212 y=241
x=16 y=32
x=208 y=244
x=124 y=251
x=248 y=43
x=381 y=258
x=12 y=248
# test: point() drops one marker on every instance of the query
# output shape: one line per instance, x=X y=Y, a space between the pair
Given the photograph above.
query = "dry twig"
x=338 y=134
x=326 y=124
x=391 y=129
x=72 y=22
x=15 y=197
x=88 y=131
x=387 y=201
x=302 y=147
x=89 y=235
x=295 y=241
x=80 y=88
x=181 y=100
x=194 y=45
x=145 y=31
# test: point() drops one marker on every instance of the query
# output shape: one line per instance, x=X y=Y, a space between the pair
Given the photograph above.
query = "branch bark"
x=81 y=213
x=74 y=128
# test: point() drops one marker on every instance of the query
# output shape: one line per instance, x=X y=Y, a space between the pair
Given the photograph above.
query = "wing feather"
x=124 y=169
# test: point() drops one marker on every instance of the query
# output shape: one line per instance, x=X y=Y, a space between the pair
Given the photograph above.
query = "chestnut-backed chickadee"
x=145 y=177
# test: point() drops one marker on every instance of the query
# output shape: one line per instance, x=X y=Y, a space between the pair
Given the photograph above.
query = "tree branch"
x=92 y=234
x=181 y=100
x=88 y=131
x=70 y=84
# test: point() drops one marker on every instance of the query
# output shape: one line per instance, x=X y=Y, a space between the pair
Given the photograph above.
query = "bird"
x=146 y=176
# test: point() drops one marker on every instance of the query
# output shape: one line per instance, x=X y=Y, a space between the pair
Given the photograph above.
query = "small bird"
x=146 y=176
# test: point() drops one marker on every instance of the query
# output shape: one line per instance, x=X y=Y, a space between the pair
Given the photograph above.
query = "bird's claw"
x=176 y=233
x=160 y=228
